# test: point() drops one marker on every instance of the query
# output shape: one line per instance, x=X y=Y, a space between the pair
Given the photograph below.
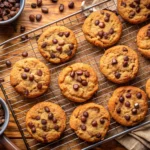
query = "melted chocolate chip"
x=125 y=49
x=52 y=55
x=43 y=121
x=131 y=14
x=54 y=120
x=127 y=104
x=55 y=41
x=114 y=61
x=83 y=119
x=79 y=79
x=61 y=34
x=56 y=127
x=138 y=9
x=59 y=48
x=44 y=45
x=31 y=77
x=134 y=111
x=101 y=33
x=72 y=74
x=39 y=72
x=94 y=123
x=37 y=117
x=31 y=125
x=71 y=46
x=87 y=74
x=85 y=114
x=26 y=69
x=107 y=14
x=76 y=87
x=67 y=34
x=132 y=5
x=24 y=76
x=111 y=31
x=84 y=83
x=117 y=75
x=102 y=121
x=126 y=58
x=137 y=1
x=39 y=85
x=44 y=128
x=125 y=64
x=83 y=127
x=101 y=25
x=106 y=19
x=50 y=116
x=123 y=4
x=136 y=105
x=79 y=72
x=96 y=22
x=148 y=6
x=24 y=54
x=127 y=117
x=139 y=95
x=128 y=95
x=105 y=35
x=33 y=130
x=46 y=109
x=118 y=110
x=98 y=135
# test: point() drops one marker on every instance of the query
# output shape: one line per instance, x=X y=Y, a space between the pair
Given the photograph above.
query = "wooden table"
x=9 y=31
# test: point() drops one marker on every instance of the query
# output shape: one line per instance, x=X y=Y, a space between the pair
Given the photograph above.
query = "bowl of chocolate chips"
x=10 y=10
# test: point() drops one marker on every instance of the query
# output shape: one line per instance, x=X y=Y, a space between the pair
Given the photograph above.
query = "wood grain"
x=12 y=30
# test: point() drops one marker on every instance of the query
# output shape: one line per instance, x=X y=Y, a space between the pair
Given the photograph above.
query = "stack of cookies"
x=78 y=82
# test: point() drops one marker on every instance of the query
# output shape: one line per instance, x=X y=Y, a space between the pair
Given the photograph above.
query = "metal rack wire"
x=87 y=53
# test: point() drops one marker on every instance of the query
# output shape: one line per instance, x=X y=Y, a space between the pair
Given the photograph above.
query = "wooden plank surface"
x=12 y=30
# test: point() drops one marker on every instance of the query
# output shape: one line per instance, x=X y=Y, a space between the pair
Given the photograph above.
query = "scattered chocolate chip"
x=128 y=95
x=39 y=86
x=50 y=116
x=52 y=55
x=138 y=9
x=84 y=83
x=114 y=61
x=87 y=74
x=107 y=15
x=98 y=135
x=1 y=80
x=31 y=77
x=38 y=17
x=85 y=114
x=105 y=35
x=37 y=117
x=24 y=37
x=55 y=41
x=148 y=6
x=8 y=63
x=24 y=76
x=76 y=87
x=137 y=1
x=26 y=69
x=136 y=105
x=101 y=33
x=79 y=79
x=127 y=117
x=71 y=46
x=56 y=127
x=26 y=92
x=123 y=4
x=44 y=10
x=69 y=53
x=32 y=18
x=43 y=121
x=46 y=109
x=106 y=19
x=44 y=128
x=22 y=29
x=111 y=31
x=72 y=74
x=126 y=58
x=83 y=119
x=31 y=125
x=33 y=130
x=33 y=5
x=96 y=22
x=79 y=72
x=101 y=25
x=39 y=3
x=121 y=99
x=71 y=5
x=125 y=64
x=127 y=104
x=44 y=44
x=83 y=127
x=61 y=7
x=54 y=120
x=134 y=111
x=67 y=34
x=139 y=95
x=132 y=5
x=131 y=14
x=118 y=110
x=61 y=34
x=59 y=48
x=125 y=49
x=24 y=54
x=54 y=1
x=39 y=72
x=94 y=123
x=117 y=75
x=102 y=121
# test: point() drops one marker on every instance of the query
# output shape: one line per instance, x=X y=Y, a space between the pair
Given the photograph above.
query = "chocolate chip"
x=102 y=12
x=137 y=1
x=39 y=86
x=38 y=17
x=125 y=49
x=24 y=37
x=96 y=22
x=127 y=117
x=1 y=80
x=126 y=58
x=44 y=44
x=127 y=104
x=98 y=135
x=87 y=74
x=22 y=29
x=76 y=87
x=114 y=61
x=54 y=120
x=55 y=41
x=131 y=14
x=102 y=121
x=8 y=63
x=138 y=9
x=101 y=25
x=132 y=5
x=44 y=10
x=61 y=43
x=50 y=116
x=117 y=75
x=32 y=18
x=71 y=46
x=61 y=7
x=139 y=95
x=85 y=114
x=107 y=15
x=24 y=54
x=67 y=34
x=31 y=125
x=37 y=117
x=54 y=1
x=123 y=4
x=43 y=121
x=148 y=33
x=52 y=55
x=39 y=72
x=118 y=110
x=31 y=77
x=59 y=48
x=136 y=105
x=72 y=74
x=33 y=5
x=148 y=6
x=56 y=127
x=33 y=130
x=24 y=76
x=71 y=5
x=101 y=33
x=46 y=109
x=128 y=95
x=79 y=72
x=69 y=53
x=134 y=111
x=84 y=83
x=111 y=31
x=94 y=123
x=106 y=19
x=83 y=119
x=125 y=64
x=121 y=99
x=83 y=127
x=105 y=35
x=26 y=92
x=61 y=34
x=44 y=128
x=26 y=69
x=79 y=79
x=39 y=3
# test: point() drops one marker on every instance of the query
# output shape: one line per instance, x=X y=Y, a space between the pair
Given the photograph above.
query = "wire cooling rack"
x=87 y=53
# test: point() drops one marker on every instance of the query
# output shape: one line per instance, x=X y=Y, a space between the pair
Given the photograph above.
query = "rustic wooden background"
x=12 y=30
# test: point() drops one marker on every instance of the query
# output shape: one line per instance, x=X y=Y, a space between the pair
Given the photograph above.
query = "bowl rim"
x=16 y=16
x=6 y=110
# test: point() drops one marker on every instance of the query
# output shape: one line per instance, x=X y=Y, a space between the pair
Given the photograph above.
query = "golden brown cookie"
x=128 y=105
x=57 y=44
x=30 y=77
x=90 y=122
x=119 y=64
x=102 y=28
x=134 y=11
x=44 y=122
x=143 y=41
x=148 y=87
x=78 y=82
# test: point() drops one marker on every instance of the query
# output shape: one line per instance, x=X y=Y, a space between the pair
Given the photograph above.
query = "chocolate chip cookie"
x=57 y=44
x=30 y=77
x=102 y=28
x=78 y=82
x=148 y=87
x=143 y=41
x=119 y=64
x=90 y=122
x=134 y=11
x=44 y=122
x=128 y=105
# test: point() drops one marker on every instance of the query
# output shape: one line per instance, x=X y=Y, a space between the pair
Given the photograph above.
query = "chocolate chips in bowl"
x=10 y=10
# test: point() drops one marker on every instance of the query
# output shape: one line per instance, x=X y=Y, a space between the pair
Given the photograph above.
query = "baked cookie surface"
x=134 y=11
x=57 y=44
x=78 y=82
x=119 y=64
x=102 y=28
x=44 y=122
x=148 y=88
x=143 y=41
x=90 y=122
x=30 y=77
x=128 y=105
